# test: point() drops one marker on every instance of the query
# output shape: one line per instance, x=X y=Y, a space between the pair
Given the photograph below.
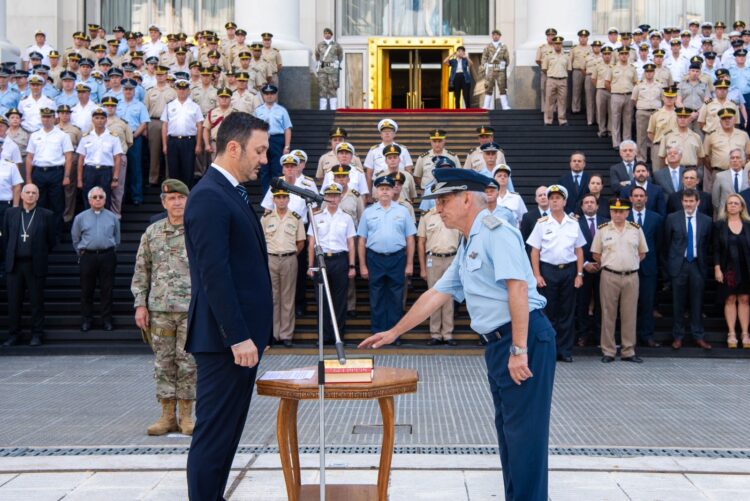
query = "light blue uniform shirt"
x=50 y=91
x=494 y=253
x=426 y=205
x=97 y=89
x=71 y=100
x=116 y=94
x=276 y=116
x=134 y=113
x=9 y=99
x=386 y=230
x=740 y=78
x=506 y=215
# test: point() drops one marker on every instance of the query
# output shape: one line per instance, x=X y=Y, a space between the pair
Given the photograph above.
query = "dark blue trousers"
x=51 y=193
x=560 y=293
x=222 y=402
x=646 y=302
x=135 y=170
x=522 y=412
x=181 y=158
x=386 y=283
x=273 y=168
x=588 y=327
x=690 y=281
x=101 y=177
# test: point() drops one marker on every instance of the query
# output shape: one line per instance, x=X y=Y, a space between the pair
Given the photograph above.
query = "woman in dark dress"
x=732 y=266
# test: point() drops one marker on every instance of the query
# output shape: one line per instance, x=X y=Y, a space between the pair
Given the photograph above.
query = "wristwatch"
x=580 y=273
x=517 y=350
x=352 y=266
x=115 y=179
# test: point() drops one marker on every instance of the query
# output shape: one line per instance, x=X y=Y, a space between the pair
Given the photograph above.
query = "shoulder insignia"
x=514 y=192
x=491 y=222
x=113 y=133
x=89 y=132
x=633 y=223
x=424 y=154
x=542 y=219
x=602 y=226
x=373 y=147
x=309 y=178
x=267 y=212
x=355 y=193
x=296 y=215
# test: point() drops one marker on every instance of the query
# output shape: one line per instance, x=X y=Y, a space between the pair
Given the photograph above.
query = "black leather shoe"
x=108 y=326
x=652 y=344
x=566 y=359
x=86 y=326
x=634 y=359
x=452 y=342
x=12 y=340
x=434 y=342
x=606 y=359
x=288 y=343
x=36 y=340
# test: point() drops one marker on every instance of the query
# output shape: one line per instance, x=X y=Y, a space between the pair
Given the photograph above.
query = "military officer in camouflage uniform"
x=329 y=55
x=214 y=118
x=423 y=168
x=495 y=62
x=475 y=158
x=161 y=287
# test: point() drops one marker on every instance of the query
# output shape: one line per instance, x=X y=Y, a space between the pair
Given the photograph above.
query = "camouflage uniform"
x=161 y=282
x=329 y=57
x=495 y=61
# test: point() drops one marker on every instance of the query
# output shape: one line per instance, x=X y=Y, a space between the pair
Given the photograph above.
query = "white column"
x=8 y=51
x=566 y=17
x=279 y=17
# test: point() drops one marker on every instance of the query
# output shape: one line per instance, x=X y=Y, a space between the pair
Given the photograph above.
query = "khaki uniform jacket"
x=690 y=143
x=579 y=55
x=475 y=159
x=282 y=233
x=157 y=98
x=438 y=238
x=121 y=129
x=424 y=166
x=213 y=119
x=205 y=98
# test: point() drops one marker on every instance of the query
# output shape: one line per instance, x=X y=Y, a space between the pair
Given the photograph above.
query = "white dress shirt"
x=10 y=151
x=357 y=181
x=333 y=230
x=49 y=148
x=80 y=116
x=375 y=159
x=514 y=203
x=182 y=118
x=32 y=120
x=557 y=242
x=296 y=203
x=232 y=180
x=9 y=177
x=99 y=150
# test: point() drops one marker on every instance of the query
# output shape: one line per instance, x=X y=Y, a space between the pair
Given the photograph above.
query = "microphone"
x=309 y=196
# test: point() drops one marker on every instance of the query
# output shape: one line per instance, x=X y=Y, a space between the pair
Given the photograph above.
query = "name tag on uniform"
x=607 y=239
x=429 y=262
x=549 y=231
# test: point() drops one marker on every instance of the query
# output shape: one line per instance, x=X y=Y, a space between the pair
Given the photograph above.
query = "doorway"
x=416 y=78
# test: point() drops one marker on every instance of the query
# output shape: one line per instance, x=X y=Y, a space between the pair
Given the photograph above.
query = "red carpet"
x=395 y=111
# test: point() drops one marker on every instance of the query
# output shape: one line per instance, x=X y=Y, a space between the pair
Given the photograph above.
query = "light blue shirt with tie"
x=386 y=229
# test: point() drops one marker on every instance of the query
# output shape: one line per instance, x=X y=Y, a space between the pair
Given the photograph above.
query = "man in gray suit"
x=670 y=177
x=732 y=180
x=621 y=173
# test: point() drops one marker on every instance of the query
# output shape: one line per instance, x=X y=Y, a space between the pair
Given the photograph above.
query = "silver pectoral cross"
x=24 y=235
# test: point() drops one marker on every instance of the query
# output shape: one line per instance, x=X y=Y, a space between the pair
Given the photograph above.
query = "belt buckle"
x=561 y=266
x=329 y=254
x=97 y=167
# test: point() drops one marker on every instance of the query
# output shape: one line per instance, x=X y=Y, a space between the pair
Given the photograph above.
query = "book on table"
x=358 y=369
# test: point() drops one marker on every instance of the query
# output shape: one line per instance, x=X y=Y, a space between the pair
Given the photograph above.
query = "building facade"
x=393 y=49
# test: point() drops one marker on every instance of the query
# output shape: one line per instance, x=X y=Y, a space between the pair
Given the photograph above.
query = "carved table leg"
x=386 y=450
x=286 y=433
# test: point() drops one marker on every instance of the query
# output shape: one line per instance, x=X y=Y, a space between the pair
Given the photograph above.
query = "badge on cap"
x=387 y=124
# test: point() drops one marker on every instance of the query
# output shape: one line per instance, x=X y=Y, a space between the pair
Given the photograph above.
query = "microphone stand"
x=323 y=288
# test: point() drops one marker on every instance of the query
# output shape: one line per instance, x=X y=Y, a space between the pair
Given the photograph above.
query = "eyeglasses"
x=96 y=197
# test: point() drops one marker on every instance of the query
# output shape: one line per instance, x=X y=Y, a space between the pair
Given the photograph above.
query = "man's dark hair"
x=640 y=162
x=592 y=176
x=587 y=195
x=238 y=126
x=690 y=169
x=691 y=193
x=578 y=152
x=636 y=187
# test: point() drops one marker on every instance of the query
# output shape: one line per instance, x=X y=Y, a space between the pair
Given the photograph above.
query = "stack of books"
x=358 y=369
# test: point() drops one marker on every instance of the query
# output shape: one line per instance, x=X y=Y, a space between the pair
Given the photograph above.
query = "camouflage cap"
x=174 y=186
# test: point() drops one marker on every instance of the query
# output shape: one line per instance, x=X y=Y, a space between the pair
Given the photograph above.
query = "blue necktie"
x=640 y=219
x=736 y=182
x=243 y=193
x=690 y=254
x=675 y=182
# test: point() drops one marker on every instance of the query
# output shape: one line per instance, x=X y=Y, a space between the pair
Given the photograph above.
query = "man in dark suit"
x=669 y=177
x=687 y=238
x=621 y=173
x=528 y=221
x=576 y=182
x=690 y=182
x=648 y=273
x=587 y=326
x=28 y=236
x=231 y=310
x=656 y=200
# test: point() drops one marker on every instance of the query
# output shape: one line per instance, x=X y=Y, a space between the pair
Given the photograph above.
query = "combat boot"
x=167 y=422
x=186 y=416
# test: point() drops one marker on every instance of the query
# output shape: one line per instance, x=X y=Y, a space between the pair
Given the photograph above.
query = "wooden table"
x=387 y=382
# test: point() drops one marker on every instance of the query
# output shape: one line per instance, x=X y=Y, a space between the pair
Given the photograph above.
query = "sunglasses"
x=96 y=197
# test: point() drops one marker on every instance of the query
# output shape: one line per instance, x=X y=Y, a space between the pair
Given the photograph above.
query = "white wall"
x=57 y=18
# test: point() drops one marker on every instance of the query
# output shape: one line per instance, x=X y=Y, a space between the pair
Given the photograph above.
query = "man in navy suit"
x=621 y=173
x=687 y=240
x=648 y=273
x=669 y=177
x=576 y=182
x=657 y=202
x=231 y=309
x=587 y=325
x=690 y=180
x=528 y=221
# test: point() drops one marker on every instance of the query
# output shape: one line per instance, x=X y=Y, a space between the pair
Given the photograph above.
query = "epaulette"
x=373 y=147
x=491 y=222
x=309 y=178
x=425 y=154
x=296 y=215
x=113 y=133
x=355 y=193
x=514 y=192
x=633 y=223
x=267 y=212
x=542 y=219
x=601 y=226
x=89 y=132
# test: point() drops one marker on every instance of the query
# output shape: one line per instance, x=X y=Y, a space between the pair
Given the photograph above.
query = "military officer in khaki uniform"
x=156 y=100
x=621 y=84
x=78 y=48
x=256 y=79
x=161 y=287
x=244 y=98
x=647 y=100
x=600 y=76
x=719 y=143
x=662 y=121
x=556 y=66
x=392 y=154
x=684 y=139
x=168 y=57
x=239 y=46
x=708 y=116
x=423 y=168
x=661 y=74
x=353 y=204
x=619 y=246
x=121 y=129
x=578 y=56
x=541 y=53
x=214 y=118
x=75 y=134
x=230 y=41
x=495 y=61
x=205 y=95
x=336 y=136
x=592 y=60
x=400 y=182
x=285 y=238
x=475 y=158
x=436 y=249
x=271 y=56
x=258 y=65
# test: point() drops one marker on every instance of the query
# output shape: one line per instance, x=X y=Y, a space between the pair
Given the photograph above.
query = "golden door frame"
x=379 y=65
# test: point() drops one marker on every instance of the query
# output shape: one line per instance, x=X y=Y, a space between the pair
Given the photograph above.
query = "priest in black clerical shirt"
x=28 y=236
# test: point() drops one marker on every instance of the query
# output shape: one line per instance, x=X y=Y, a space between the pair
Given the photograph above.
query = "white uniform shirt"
x=375 y=159
x=10 y=151
x=30 y=107
x=677 y=67
x=296 y=203
x=81 y=116
x=49 y=148
x=557 y=242
x=99 y=150
x=333 y=230
x=9 y=177
x=357 y=181
x=153 y=49
x=44 y=50
x=513 y=202
x=182 y=118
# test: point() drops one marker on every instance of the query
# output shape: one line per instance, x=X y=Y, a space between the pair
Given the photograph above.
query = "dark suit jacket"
x=675 y=242
x=720 y=243
x=706 y=206
x=653 y=231
x=575 y=194
x=43 y=231
x=584 y=224
x=663 y=178
x=231 y=287
x=618 y=173
x=656 y=200
x=528 y=221
x=745 y=194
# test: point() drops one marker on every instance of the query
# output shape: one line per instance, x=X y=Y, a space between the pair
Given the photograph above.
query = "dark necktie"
x=736 y=182
x=630 y=170
x=592 y=227
x=578 y=180
x=544 y=214
x=243 y=193
x=640 y=219
x=690 y=255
